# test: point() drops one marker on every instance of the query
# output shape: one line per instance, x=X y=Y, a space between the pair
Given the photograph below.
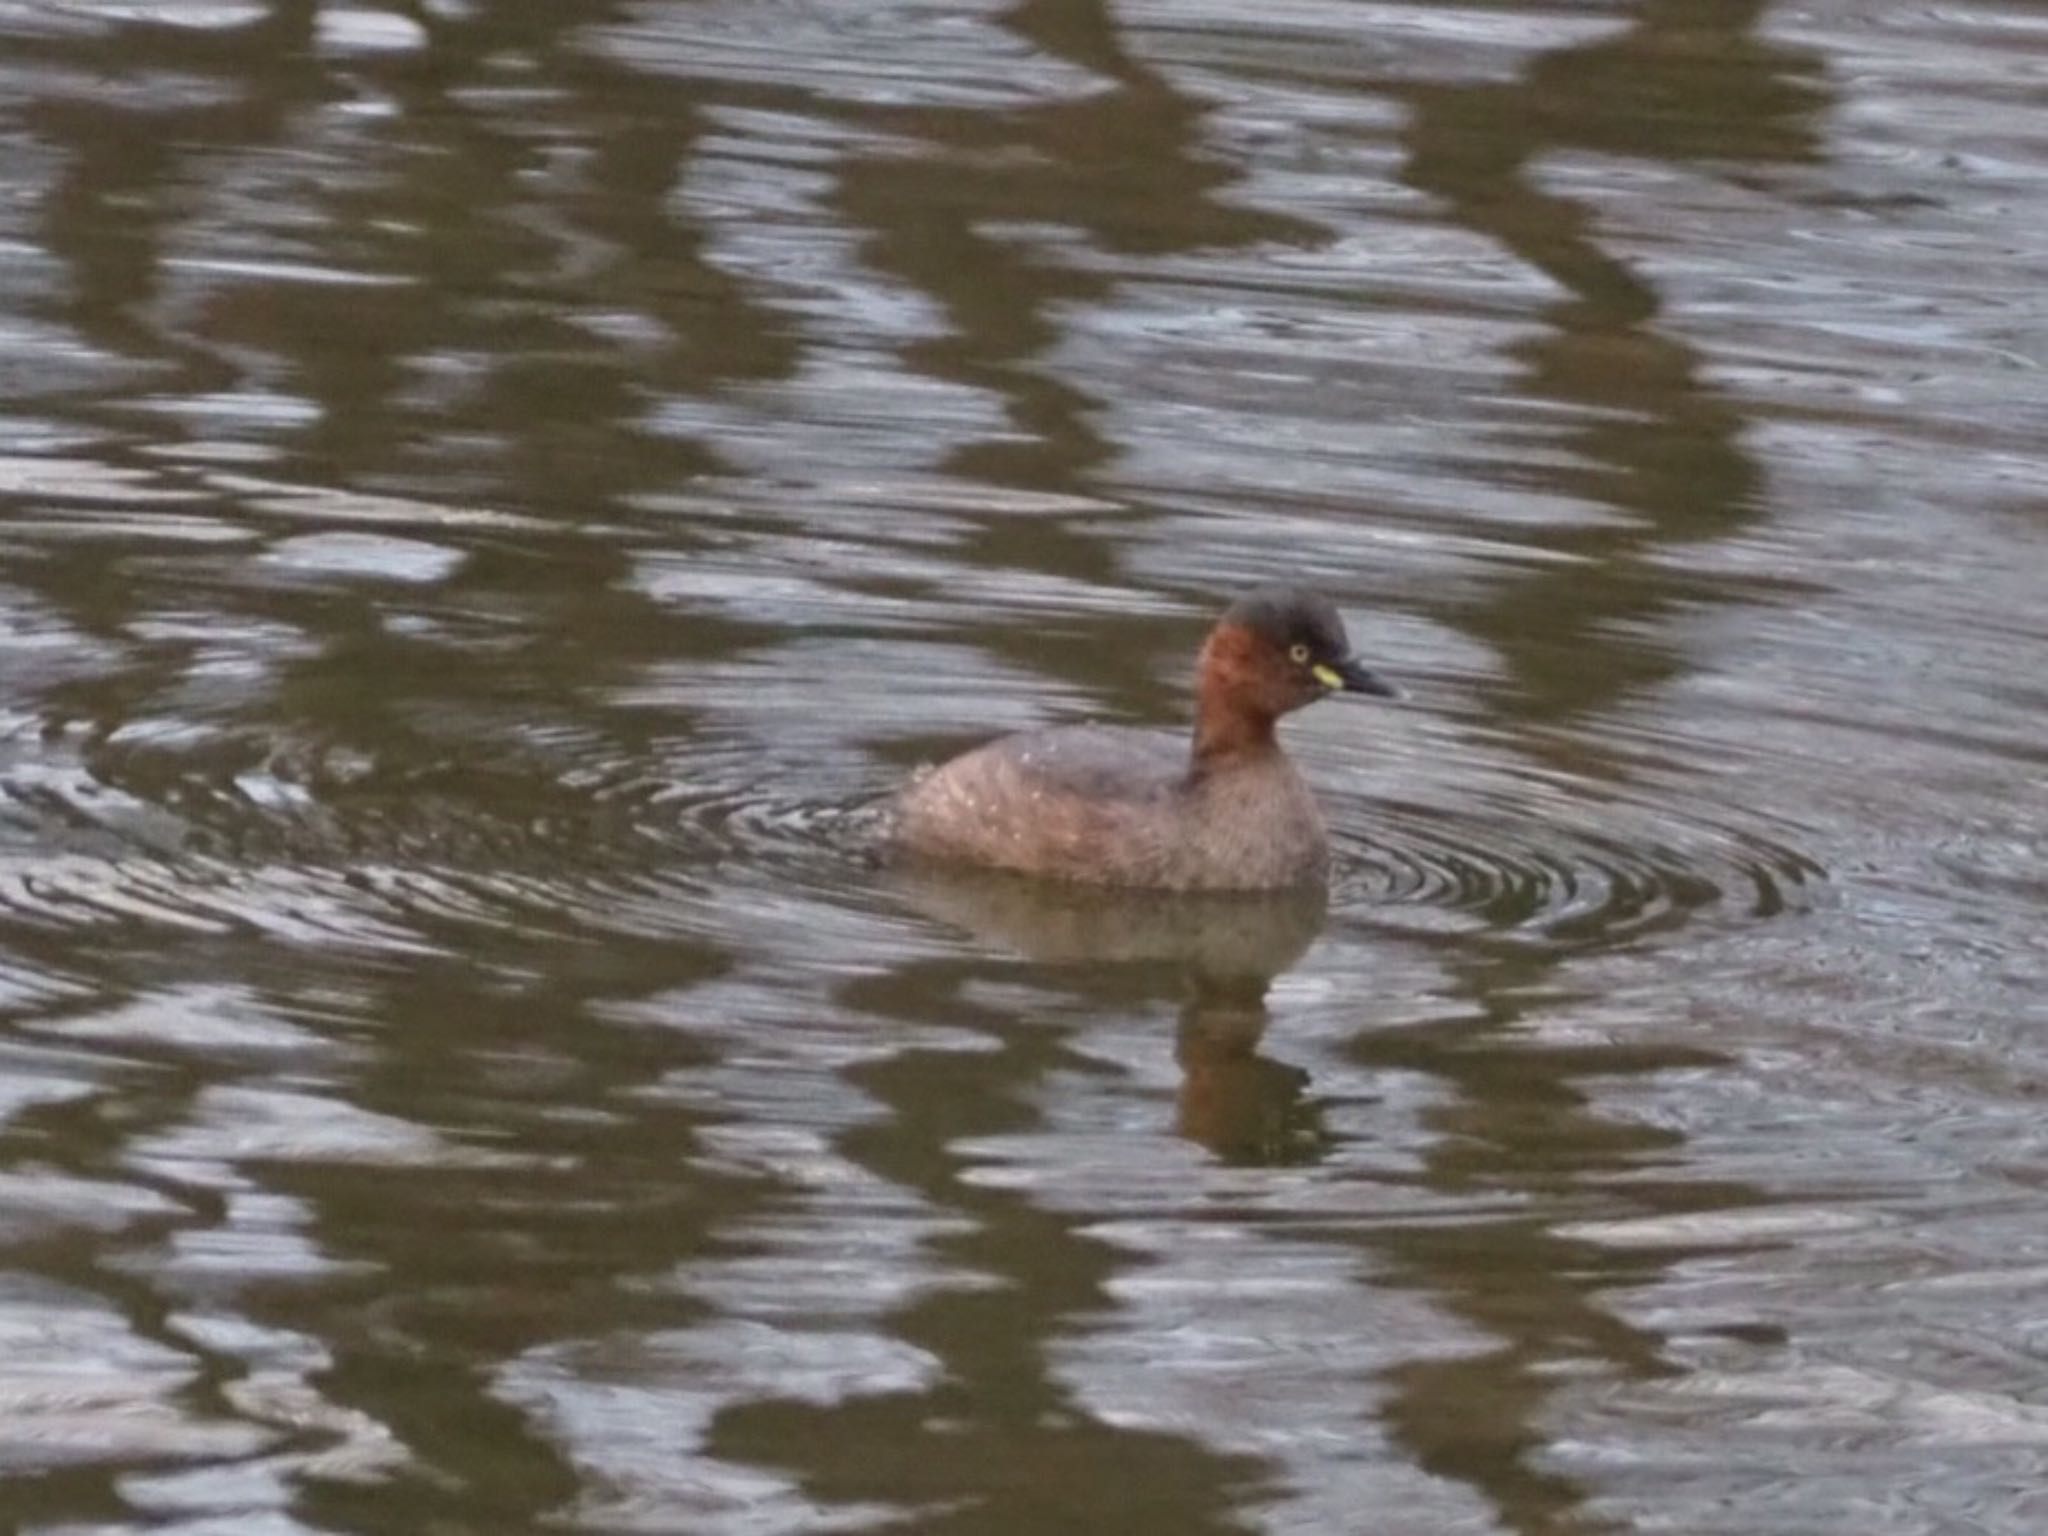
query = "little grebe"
x=1115 y=805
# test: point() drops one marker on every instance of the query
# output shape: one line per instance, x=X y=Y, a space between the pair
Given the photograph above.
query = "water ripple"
x=1560 y=883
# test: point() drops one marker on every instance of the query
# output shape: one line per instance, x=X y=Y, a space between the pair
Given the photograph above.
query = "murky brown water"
x=490 y=494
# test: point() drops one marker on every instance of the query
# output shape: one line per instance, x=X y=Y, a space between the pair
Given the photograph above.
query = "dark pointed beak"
x=1350 y=677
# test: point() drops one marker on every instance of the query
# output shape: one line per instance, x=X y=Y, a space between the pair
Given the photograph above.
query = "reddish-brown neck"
x=1232 y=718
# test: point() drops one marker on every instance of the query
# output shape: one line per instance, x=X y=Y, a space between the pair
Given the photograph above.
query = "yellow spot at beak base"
x=1327 y=676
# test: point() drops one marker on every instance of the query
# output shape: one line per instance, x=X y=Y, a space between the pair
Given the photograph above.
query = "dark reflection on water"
x=1118 y=165
x=1220 y=952
x=1522 y=1122
x=1578 y=635
x=996 y=1440
x=490 y=496
x=543 y=1231
x=1659 y=444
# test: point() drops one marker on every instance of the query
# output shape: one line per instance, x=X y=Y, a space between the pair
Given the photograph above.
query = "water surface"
x=492 y=495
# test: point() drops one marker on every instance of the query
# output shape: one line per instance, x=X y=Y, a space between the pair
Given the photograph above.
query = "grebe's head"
x=1278 y=648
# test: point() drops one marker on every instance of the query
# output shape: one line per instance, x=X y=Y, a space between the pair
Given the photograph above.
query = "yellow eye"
x=1298 y=653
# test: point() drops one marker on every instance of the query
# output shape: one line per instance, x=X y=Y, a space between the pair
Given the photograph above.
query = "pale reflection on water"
x=491 y=497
